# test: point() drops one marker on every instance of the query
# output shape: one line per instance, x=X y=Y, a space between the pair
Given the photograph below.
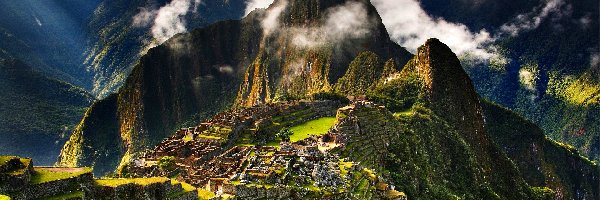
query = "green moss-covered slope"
x=363 y=72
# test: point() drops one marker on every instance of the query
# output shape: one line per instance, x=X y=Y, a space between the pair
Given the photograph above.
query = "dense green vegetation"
x=364 y=71
x=558 y=53
x=539 y=158
x=427 y=128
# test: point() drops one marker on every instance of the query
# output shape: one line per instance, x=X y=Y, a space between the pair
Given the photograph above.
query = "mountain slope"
x=449 y=93
x=542 y=161
x=37 y=112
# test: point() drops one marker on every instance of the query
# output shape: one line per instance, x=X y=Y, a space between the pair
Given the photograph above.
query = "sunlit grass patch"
x=205 y=194
x=315 y=127
x=124 y=181
x=43 y=175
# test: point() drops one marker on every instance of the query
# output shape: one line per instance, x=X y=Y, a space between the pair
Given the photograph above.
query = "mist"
x=168 y=20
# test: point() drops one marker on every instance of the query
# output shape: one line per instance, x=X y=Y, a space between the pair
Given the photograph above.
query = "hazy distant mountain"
x=37 y=113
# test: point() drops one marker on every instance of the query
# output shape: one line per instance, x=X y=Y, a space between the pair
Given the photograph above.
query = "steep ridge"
x=542 y=161
x=37 y=113
x=181 y=80
x=197 y=74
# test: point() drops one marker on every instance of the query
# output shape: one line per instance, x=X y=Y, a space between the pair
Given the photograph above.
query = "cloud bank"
x=254 y=4
x=167 y=20
x=410 y=26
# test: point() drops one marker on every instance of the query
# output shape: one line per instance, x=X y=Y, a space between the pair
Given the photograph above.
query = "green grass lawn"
x=137 y=181
x=315 y=127
x=3 y=197
x=42 y=175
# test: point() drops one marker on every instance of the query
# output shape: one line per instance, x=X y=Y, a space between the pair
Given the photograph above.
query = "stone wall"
x=245 y=192
x=15 y=175
x=55 y=187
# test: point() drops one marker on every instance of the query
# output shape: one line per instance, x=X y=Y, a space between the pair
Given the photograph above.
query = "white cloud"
x=254 y=4
x=349 y=21
x=410 y=26
x=144 y=17
x=533 y=19
x=167 y=20
x=271 y=21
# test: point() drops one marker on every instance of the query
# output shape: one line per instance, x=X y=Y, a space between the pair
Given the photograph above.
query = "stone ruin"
x=207 y=155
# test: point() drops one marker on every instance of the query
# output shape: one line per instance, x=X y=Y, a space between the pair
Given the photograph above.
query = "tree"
x=285 y=134
x=166 y=162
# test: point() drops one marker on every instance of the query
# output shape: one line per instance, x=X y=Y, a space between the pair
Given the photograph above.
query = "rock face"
x=449 y=89
x=197 y=74
x=307 y=47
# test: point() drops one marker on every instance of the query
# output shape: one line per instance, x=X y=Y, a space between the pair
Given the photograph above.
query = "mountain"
x=444 y=102
x=38 y=112
x=438 y=147
x=194 y=75
x=429 y=135
x=551 y=71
